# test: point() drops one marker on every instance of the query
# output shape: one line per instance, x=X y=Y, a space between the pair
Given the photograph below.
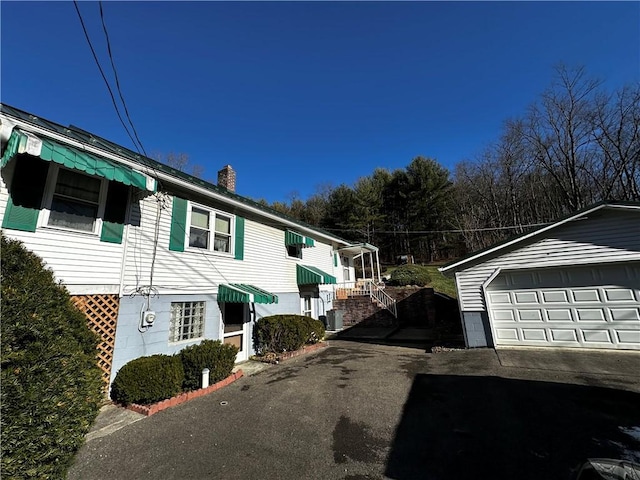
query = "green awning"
x=308 y=275
x=243 y=293
x=70 y=157
x=293 y=238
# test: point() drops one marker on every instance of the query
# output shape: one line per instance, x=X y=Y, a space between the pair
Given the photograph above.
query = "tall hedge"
x=51 y=384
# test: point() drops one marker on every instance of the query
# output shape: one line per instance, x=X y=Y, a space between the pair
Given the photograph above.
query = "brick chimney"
x=227 y=178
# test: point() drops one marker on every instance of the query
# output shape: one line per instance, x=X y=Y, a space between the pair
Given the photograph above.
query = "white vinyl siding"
x=265 y=262
x=80 y=261
x=611 y=236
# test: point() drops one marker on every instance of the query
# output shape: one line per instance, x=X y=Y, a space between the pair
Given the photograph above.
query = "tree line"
x=576 y=145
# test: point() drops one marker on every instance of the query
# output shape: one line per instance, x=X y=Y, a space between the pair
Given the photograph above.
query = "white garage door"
x=592 y=307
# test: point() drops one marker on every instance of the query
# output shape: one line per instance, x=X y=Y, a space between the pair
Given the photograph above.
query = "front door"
x=235 y=330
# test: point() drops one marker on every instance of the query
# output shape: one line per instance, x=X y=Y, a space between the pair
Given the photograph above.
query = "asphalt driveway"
x=366 y=411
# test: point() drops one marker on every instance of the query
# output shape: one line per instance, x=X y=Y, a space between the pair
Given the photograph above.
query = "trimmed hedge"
x=212 y=354
x=51 y=384
x=316 y=330
x=285 y=333
x=410 y=275
x=147 y=380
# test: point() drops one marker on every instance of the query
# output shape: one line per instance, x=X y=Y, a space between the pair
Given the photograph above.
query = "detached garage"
x=574 y=283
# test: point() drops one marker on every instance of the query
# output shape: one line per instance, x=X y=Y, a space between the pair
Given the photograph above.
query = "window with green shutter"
x=115 y=212
x=25 y=194
x=197 y=227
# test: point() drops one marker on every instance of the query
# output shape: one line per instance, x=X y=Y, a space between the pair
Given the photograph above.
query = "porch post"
x=378 y=264
x=364 y=272
x=373 y=274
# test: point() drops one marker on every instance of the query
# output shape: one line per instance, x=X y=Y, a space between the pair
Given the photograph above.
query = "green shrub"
x=410 y=275
x=316 y=330
x=284 y=333
x=147 y=380
x=51 y=383
x=212 y=354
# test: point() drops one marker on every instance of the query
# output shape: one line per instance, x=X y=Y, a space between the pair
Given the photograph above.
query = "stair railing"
x=382 y=298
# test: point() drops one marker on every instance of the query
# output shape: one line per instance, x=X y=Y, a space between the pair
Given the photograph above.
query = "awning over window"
x=308 y=275
x=293 y=238
x=243 y=293
x=73 y=158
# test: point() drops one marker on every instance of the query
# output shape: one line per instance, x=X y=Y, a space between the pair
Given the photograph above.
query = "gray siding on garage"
x=608 y=235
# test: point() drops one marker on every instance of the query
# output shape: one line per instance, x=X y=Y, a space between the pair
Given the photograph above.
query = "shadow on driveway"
x=490 y=427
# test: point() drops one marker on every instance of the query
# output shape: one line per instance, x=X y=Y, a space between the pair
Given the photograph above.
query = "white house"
x=156 y=258
x=574 y=283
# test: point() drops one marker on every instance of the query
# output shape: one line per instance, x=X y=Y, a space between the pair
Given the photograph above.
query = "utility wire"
x=115 y=74
x=95 y=57
x=442 y=231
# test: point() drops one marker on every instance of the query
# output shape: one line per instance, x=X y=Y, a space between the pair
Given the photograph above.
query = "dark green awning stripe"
x=308 y=275
x=76 y=159
x=243 y=293
x=293 y=238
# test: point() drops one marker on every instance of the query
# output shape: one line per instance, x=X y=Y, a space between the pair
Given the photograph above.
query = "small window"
x=345 y=269
x=202 y=235
x=306 y=306
x=75 y=202
x=294 y=251
x=187 y=321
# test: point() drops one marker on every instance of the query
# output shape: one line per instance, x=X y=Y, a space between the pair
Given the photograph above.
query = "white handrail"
x=382 y=298
x=369 y=288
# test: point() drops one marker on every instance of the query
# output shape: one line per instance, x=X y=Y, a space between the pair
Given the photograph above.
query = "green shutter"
x=18 y=217
x=239 y=241
x=111 y=232
x=178 y=225
x=335 y=259
x=115 y=212
x=25 y=194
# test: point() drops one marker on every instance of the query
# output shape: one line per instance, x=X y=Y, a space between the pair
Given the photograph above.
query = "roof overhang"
x=477 y=257
x=358 y=249
x=170 y=179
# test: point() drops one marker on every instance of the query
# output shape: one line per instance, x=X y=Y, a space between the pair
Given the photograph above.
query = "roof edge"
x=454 y=265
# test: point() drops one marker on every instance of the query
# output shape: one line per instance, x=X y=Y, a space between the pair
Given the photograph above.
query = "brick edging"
x=183 y=397
x=302 y=351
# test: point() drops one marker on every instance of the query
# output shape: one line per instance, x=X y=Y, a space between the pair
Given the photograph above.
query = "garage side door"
x=588 y=307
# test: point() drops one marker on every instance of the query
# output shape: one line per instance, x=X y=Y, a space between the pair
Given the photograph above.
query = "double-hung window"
x=210 y=230
x=75 y=200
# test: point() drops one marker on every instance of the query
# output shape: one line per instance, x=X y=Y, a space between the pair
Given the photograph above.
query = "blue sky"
x=295 y=95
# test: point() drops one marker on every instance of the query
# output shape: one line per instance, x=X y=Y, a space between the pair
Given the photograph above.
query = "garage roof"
x=477 y=257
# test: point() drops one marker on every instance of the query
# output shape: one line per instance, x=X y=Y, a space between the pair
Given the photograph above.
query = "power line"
x=95 y=57
x=423 y=232
x=115 y=74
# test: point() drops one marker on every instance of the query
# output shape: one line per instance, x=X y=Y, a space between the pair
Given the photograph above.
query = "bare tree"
x=559 y=131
